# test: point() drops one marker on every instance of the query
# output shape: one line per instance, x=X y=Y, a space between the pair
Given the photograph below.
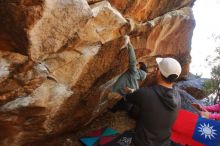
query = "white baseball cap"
x=168 y=66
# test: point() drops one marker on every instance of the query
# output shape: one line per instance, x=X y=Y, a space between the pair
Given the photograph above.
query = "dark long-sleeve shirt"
x=158 y=109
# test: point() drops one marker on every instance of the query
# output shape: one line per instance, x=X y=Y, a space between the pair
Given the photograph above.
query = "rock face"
x=191 y=89
x=187 y=100
x=193 y=85
x=59 y=58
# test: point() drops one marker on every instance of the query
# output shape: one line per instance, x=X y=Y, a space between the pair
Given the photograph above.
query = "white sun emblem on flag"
x=207 y=131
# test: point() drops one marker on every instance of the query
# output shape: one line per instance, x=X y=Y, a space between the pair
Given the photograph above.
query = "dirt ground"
x=118 y=121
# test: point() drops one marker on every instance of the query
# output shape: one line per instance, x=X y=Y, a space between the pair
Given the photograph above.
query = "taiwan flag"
x=192 y=130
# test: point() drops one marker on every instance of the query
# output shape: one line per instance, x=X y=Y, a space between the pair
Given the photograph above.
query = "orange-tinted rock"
x=172 y=33
x=16 y=18
x=41 y=27
x=142 y=10
x=70 y=53
x=10 y=62
x=105 y=26
x=168 y=35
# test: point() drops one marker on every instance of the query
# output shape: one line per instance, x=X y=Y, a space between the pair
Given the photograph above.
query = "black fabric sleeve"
x=135 y=97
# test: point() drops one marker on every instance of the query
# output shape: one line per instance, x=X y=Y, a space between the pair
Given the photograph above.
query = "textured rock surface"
x=187 y=100
x=142 y=10
x=194 y=86
x=59 y=58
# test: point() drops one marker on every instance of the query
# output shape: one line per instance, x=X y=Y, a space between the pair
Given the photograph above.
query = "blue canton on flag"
x=207 y=132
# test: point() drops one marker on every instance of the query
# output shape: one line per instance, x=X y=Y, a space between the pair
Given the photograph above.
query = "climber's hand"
x=126 y=41
x=197 y=106
x=204 y=114
x=128 y=27
x=128 y=90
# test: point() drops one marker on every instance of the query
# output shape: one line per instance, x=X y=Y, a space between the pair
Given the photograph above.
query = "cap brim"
x=158 y=60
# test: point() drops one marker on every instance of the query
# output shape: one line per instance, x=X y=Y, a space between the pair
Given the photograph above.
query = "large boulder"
x=187 y=100
x=194 y=85
x=60 y=58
